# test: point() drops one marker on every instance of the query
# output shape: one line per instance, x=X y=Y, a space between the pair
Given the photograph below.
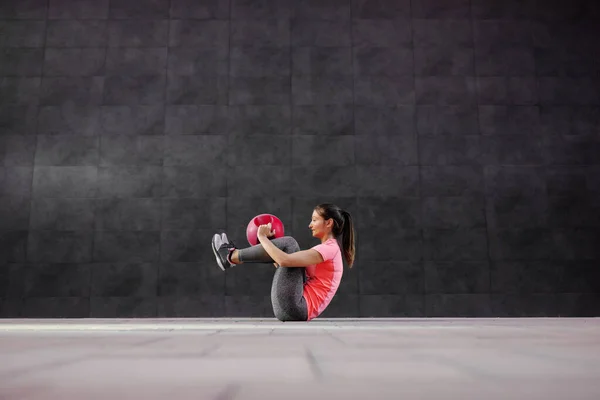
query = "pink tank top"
x=323 y=279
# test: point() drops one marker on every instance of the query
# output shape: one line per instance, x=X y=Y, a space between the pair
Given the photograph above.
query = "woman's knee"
x=293 y=243
x=289 y=243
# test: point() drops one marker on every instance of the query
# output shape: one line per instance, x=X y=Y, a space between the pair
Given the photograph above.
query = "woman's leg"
x=287 y=294
x=227 y=255
x=257 y=253
x=287 y=288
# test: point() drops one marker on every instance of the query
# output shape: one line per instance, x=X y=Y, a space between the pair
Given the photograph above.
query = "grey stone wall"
x=463 y=135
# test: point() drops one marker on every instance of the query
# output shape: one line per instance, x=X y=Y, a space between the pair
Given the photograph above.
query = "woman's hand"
x=265 y=230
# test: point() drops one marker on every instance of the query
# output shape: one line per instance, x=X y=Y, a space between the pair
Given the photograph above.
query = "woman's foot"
x=222 y=250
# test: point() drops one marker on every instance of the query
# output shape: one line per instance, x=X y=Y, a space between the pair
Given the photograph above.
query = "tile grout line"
x=481 y=166
x=356 y=196
x=420 y=197
x=35 y=148
x=227 y=140
x=314 y=364
x=291 y=133
x=159 y=268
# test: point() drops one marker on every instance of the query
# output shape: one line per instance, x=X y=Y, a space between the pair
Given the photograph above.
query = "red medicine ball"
x=263 y=219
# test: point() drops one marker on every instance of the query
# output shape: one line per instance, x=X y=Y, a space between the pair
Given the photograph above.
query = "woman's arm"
x=298 y=259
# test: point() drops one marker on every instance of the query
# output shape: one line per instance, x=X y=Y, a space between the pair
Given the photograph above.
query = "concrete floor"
x=223 y=359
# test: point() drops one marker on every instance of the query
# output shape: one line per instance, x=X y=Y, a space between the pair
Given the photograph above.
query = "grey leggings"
x=288 y=283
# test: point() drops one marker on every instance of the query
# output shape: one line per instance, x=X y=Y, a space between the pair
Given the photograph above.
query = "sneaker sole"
x=216 y=253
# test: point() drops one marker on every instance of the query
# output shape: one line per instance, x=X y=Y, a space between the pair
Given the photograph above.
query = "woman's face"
x=319 y=226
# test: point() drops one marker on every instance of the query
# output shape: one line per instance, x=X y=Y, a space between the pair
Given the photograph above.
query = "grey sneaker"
x=222 y=248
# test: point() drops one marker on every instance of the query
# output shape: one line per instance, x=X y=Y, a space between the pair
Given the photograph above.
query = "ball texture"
x=263 y=219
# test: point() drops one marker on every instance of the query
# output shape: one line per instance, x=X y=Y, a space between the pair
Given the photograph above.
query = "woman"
x=305 y=281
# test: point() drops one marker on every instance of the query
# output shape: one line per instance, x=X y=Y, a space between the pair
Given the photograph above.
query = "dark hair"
x=342 y=226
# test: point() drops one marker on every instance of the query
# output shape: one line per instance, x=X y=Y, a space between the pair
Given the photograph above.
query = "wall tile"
x=524 y=305
x=26 y=34
x=190 y=279
x=383 y=61
x=136 y=62
x=204 y=9
x=88 y=90
x=381 y=32
x=134 y=247
x=139 y=33
x=127 y=214
x=193 y=182
x=267 y=32
x=452 y=120
x=459 y=305
x=17 y=150
x=60 y=246
x=129 y=181
x=457 y=277
x=322 y=9
x=274 y=90
x=453 y=212
x=131 y=150
x=114 y=119
x=13 y=244
x=466 y=180
x=323 y=120
x=461 y=134
x=62 y=214
x=123 y=307
x=121 y=279
x=392 y=277
x=311 y=60
x=135 y=90
x=385 y=306
x=21 y=61
x=454 y=9
x=70 y=119
x=321 y=90
x=260 y=9
x=453 y=244
x=65 y=181
x=139 y=9
x=55 y=307
x=78 y=9
x=182 y=245
x=259 y=62
x=203 y=306
x=373 y=120
x=380 y=9
x=430 y=61
x=16 y=181
x=314 y=150
x=14 y=213
x=321 y=33
x=31 y=9
x=56 y=280
x=78 y=33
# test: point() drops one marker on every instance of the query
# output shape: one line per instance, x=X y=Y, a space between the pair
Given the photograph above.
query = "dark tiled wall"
x=463 y=135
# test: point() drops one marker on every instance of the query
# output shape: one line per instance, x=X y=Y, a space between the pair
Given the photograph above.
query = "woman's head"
x=328 y=219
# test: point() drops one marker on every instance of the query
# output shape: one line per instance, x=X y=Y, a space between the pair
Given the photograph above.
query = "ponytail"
x=342 y=226
x=348 y=238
